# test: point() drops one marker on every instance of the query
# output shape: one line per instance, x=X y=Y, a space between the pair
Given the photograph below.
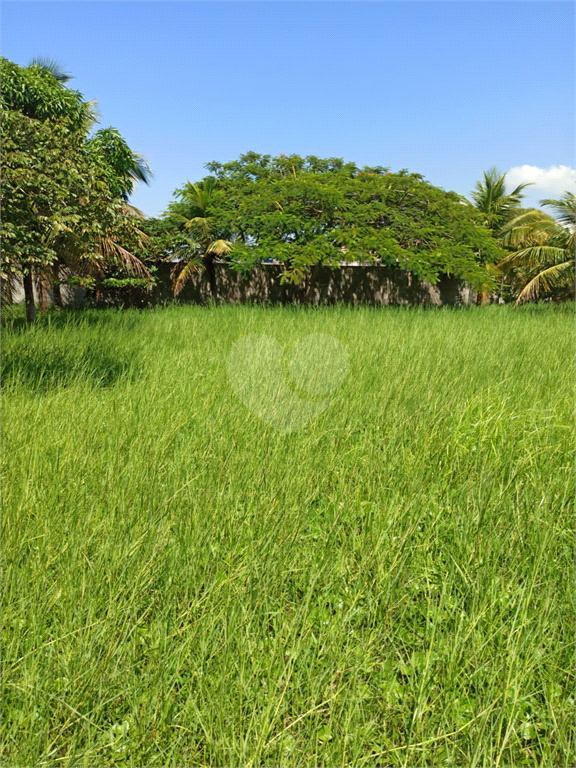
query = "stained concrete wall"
x=349 y=284
x=72 y=296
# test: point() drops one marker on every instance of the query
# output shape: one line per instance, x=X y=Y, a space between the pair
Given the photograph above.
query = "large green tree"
x=63 y=197
x=308 y=212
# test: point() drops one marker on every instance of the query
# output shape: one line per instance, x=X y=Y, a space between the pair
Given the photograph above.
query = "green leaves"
x=308 y=211
x=543 y=261
x=125 y=167
x=63 y=197
x=38 y=93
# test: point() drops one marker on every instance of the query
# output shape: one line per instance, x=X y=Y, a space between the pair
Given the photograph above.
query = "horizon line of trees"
x=66 y=216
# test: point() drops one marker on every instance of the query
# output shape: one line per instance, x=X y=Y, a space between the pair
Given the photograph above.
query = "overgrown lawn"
x=392 y=584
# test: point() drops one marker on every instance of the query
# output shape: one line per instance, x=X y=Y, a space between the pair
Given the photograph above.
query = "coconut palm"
x=192 y=215
x=544 y=255
x=124 y=169
x=54 y=67
x=491 y=198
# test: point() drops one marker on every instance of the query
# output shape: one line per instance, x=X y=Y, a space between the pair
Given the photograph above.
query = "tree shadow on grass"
x=13 y=318
x=48 y=368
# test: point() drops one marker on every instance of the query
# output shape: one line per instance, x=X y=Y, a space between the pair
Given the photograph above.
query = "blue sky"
x=445 y=89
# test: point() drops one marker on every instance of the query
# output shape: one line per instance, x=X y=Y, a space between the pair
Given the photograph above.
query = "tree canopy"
x=38 y=93
x=311 y=211
x=52 y=191
x=63 y=196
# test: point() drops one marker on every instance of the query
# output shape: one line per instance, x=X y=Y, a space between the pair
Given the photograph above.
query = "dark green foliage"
x=126 y=282
x=108 y=146
x=64 y=197
x=54 y=197
x=310 y=211
x=37 y=93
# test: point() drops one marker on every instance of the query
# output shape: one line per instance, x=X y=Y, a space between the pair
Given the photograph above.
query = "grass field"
x=391 y=584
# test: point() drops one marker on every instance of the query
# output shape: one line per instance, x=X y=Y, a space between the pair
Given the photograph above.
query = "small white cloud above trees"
x=553 y=181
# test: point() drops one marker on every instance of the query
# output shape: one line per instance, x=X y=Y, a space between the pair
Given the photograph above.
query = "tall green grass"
x=391 y=585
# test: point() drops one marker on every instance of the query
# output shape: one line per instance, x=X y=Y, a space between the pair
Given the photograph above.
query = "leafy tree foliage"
x=128 y=168
x=63 y=198
x=36 y=92
x=52 y=193
x=307 y=212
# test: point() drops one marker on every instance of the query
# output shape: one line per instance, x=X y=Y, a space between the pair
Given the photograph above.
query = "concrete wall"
x=72 y=296
x=349 y=284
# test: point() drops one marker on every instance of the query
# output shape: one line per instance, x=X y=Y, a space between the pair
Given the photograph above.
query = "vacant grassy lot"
x=392 y=584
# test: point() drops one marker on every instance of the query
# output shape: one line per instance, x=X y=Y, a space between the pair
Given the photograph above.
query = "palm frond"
x=535 y=256
x=527 y=218
x=552 y=277
x=202 y=225
x=140 y=171
x=131 y=210
x=54 y=67
x=564 y=209
x=115 y=253
x=537 y=232
x=193 y=255
x=491 y=199
x=182 y=272
x=219 y=247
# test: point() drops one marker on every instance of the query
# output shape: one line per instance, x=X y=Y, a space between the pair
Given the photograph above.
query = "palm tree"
x=544 y=259
x=54 y=67
x=490 y=197
x=107 y=253
x=192 y=214
x=497 y=206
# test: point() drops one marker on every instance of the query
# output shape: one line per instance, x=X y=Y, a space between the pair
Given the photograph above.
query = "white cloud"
x=554 y=180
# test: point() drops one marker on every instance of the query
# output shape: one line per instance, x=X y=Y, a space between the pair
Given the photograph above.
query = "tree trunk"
x=43 y=298
x=211 y=269
x=29 y=297
x=482 y=298
x=57 y=291
x=57 y=296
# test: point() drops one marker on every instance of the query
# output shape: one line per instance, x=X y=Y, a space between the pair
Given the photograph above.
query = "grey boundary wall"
x=348 y=284
x=352 y=284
